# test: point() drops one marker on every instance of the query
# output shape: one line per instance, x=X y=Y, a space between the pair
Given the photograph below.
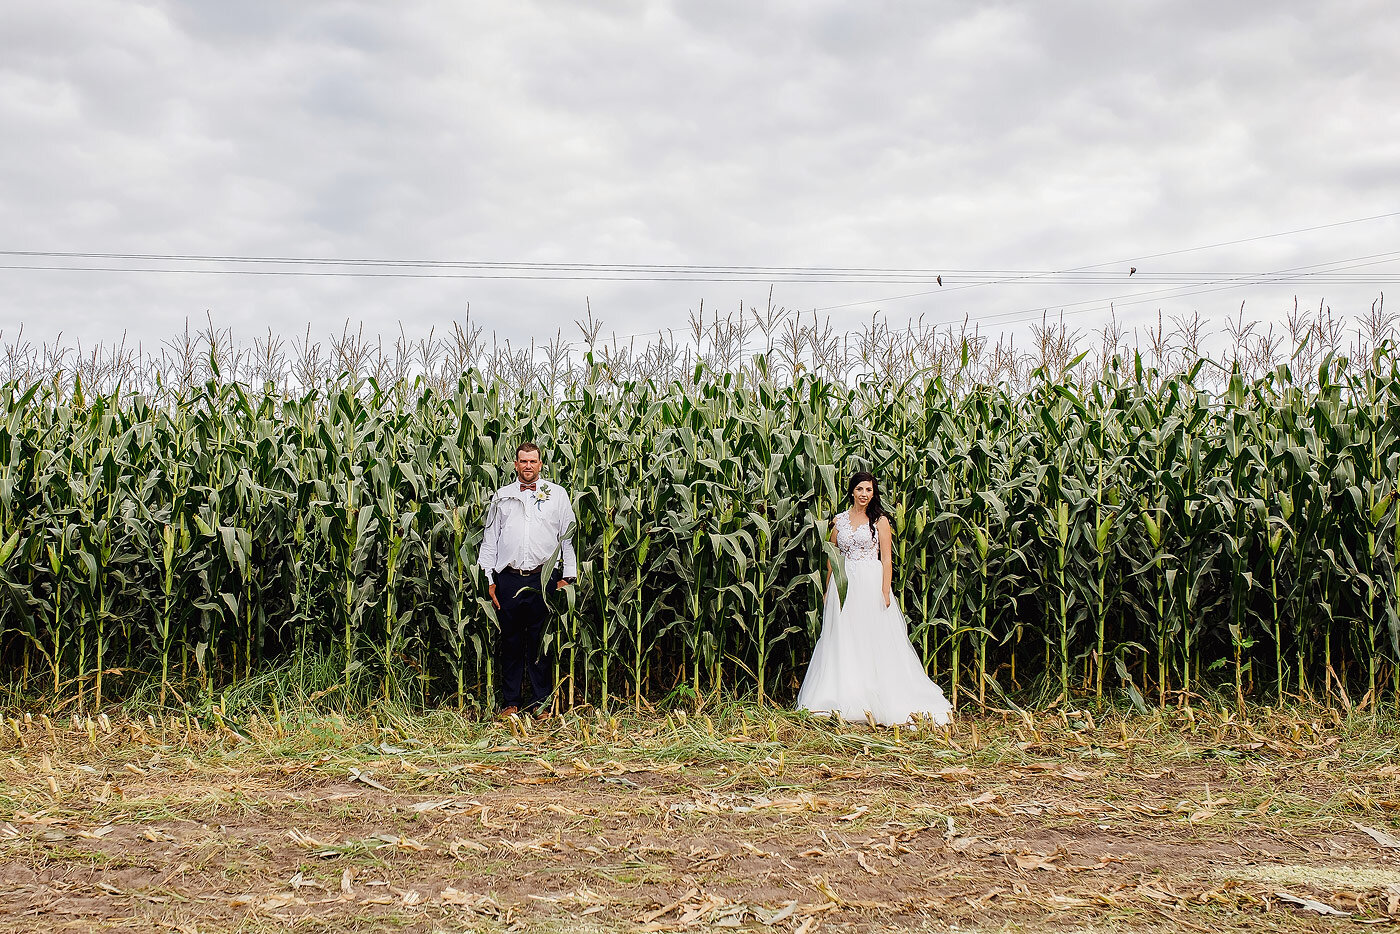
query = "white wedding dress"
x=863 y=661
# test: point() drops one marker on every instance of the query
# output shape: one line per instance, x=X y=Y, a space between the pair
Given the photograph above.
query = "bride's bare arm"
x=886 y=559
x=829 y=569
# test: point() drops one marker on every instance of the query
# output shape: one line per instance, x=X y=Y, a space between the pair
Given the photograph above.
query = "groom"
x=527 y=529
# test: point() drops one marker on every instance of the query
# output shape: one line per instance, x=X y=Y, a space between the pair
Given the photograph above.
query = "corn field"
x=1118 y=526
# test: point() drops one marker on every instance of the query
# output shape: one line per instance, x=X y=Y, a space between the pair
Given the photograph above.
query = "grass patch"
x=1001 y=822
x=1328 y=878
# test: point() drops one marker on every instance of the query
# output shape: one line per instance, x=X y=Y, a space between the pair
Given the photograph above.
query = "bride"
x=863 y=662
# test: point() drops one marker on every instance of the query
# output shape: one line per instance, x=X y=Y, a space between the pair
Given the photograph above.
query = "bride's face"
x=863 y=493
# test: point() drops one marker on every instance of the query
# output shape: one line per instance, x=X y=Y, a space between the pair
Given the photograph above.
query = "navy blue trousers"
x=523 y=615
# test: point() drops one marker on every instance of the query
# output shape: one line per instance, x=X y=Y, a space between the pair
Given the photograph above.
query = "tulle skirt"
x=863 y=661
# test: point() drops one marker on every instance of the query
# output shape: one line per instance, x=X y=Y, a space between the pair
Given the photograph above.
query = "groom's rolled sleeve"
x=490 y=542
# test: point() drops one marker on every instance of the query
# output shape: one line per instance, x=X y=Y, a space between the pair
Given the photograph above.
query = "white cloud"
x=1010 y=136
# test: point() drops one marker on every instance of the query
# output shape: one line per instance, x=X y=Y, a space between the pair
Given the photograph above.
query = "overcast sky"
x=934 y=136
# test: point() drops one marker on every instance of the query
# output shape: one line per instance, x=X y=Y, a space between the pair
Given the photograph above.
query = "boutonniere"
x=541 y=495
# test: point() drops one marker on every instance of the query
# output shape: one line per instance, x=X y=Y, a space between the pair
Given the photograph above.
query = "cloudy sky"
x=982 y=141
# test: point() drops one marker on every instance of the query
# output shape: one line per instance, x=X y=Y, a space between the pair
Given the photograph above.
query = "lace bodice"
x=856 y=544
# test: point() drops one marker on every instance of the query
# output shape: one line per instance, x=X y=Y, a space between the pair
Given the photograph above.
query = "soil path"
x=530 y=834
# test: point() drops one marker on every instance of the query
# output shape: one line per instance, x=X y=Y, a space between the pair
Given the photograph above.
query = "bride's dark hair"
x=874 y=509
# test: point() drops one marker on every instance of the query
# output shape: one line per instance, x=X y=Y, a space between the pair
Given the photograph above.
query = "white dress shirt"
x=525 y=527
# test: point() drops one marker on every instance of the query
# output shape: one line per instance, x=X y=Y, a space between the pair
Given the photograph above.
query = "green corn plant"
x=455 y=562
x=1194 y=529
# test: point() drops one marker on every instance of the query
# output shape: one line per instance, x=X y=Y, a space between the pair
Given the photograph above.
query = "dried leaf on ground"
x=1309 y=904
x=356 y=775
x=1381 y=837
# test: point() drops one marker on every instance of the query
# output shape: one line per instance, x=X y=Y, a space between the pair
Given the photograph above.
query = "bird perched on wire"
x=1131 y=270
x=940 y=280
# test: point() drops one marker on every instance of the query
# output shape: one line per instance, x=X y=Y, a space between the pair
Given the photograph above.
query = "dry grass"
x=742 y=817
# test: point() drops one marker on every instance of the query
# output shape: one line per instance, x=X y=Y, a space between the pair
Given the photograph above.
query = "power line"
x=1100 y=304
x=1135 y=259
x=612 y=271
x=956 y=280
x=1178 y=284
x=1313 y=274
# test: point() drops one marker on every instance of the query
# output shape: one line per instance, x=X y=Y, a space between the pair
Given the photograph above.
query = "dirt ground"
x=752 y=819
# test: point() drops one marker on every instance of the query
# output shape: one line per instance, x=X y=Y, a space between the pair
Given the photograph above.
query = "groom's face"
x=527 y=466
